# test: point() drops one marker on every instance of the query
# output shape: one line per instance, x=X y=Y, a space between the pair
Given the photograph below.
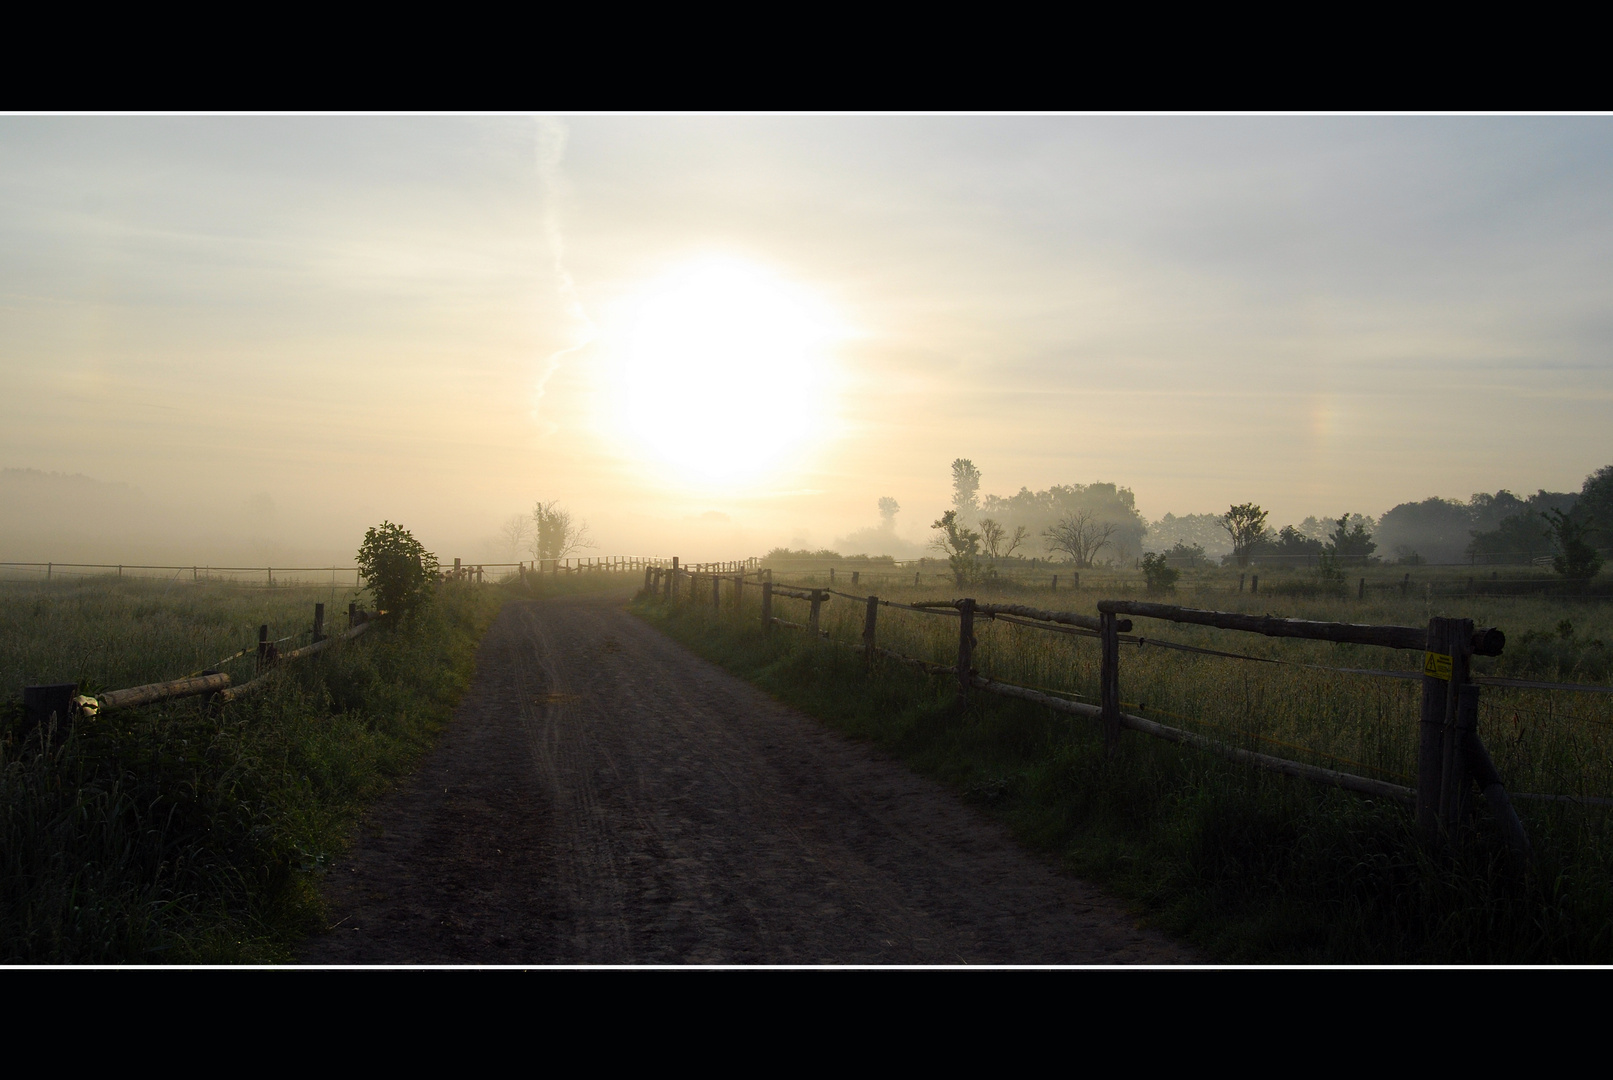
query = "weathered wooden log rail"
x=63 y=700
x=1453 y=763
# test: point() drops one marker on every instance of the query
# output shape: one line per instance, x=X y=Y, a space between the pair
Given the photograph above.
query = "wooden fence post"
x=739 y=593
x=319 y=622
x=817 y=605
x=1109 y=680
x=1444 y=672
x=855 y=575
x=1405 y=584
x=1055 y=583
x=1075 y=581
x=966 y=646
x=1254 y=585
x=263 y=645
x=352 y=613
x=716 y=593
x=1361 y=593
x=831 y=575
x=1453 y=773
x=915 y=579
x=646 y=579
x=1240 y=581
x=767 y=605
x=870 y=619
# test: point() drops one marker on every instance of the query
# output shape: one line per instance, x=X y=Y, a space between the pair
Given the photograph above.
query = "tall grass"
x=179 y=833
x=1253 y=865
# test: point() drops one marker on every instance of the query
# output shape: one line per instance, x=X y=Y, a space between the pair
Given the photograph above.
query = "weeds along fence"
x=1265 y=576
x=65 y=703
x=61 y=703
x=335 y=576
x=1453 y=765
x=262 y=576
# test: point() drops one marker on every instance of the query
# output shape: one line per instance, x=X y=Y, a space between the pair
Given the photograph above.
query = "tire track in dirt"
x=603 y=796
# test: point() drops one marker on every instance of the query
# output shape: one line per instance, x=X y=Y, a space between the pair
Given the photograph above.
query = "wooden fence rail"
x=1452 y=762
x=62 y=700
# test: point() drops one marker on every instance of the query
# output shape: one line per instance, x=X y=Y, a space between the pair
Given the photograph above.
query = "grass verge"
x=1251 y=866
x=178 y=833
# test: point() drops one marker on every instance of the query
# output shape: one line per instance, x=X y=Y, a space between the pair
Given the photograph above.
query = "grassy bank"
x=176 y=833
x=1252 y=866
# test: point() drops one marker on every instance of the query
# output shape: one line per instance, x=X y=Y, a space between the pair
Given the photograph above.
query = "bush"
x=1161 y=577
x=397 y=567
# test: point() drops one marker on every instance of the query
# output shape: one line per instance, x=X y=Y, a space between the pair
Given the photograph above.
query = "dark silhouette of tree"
x=1080 y=535
x=965 y=488
x=1246 y=524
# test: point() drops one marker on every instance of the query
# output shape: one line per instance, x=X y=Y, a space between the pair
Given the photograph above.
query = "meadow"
x=1252 y=865
x=181 y=832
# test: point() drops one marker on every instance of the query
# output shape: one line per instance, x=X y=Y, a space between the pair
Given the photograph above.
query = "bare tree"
x=557 y=535
x=1079 y=535
x=998 y=544
x=516 y=532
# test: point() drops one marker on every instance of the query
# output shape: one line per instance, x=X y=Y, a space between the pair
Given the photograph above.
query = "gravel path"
x=606 y=797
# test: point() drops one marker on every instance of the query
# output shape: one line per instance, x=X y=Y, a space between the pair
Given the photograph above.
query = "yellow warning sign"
x=1437 y=665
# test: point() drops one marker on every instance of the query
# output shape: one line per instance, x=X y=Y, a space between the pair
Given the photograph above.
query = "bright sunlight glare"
x=726 y=371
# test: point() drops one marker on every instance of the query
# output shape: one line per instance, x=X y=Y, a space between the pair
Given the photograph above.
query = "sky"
x=712 y=335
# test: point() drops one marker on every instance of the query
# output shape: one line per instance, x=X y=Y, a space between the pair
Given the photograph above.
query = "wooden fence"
x=1452 y=761
x=61 y=702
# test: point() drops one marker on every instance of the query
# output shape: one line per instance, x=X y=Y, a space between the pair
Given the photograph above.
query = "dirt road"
x=606 y=797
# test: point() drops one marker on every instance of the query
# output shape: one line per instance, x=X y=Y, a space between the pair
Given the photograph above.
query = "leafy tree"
x=1161 y=577
x=1595 y=506
x=960 y=544
x=888 y=509
x=396 y=566
x=1350 y=540
x=1039 y=510
x=557 y=534
x=1080 y=535
x=1576 y=560
x=1519 y=538
x=1246 y=525
x=965 y=486
x=1292 y=544
x=1184 y=554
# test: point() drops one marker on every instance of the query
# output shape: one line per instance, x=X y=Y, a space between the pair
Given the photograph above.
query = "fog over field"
x=246 y=339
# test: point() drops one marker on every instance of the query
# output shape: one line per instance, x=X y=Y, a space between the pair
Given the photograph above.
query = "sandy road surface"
x=606 y=797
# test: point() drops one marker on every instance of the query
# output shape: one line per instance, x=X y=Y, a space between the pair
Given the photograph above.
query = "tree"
x=1594 y=509
x=1350 y=540
x=557 y=534
x=1293 y=543
x=1246 y=524
x=965 y=486
x=888 y=509
x=961 y=546
x=1161 y=576
x=1576 y=560
x=1080 y=536
x=516 y=532
x=998 y=544
x=396 y=566
x=1519 y=538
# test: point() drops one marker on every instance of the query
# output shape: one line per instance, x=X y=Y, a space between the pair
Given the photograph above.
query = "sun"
x=726 y=369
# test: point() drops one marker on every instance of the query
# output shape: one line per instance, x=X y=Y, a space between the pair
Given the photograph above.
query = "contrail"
x=551 y=148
